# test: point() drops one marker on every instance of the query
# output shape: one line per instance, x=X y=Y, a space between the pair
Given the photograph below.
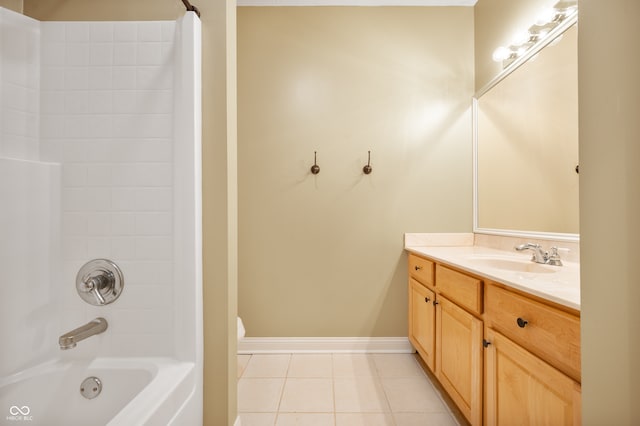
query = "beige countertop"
x=559 y=284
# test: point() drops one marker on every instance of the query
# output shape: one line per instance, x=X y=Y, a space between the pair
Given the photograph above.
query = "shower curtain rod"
x=190 y=7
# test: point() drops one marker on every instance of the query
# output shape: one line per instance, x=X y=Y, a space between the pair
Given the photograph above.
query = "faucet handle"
x=554 y=257
x=93 y=286
x=99 y=282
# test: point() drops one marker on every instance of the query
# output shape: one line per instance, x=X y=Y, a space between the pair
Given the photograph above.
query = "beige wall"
x=609 y=66
x=100 y=10
x=323 y=255
x=219 y=173
x=497 y=23
x=12 y=4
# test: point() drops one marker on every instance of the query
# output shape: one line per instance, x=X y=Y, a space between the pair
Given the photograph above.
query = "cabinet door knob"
x=435 y=302
x=417 y=268
x=485 y=343
x=426 y=299
x=521 y=322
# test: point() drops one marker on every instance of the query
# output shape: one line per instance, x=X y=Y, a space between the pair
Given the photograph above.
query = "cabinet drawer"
x=466 y=291
x=421 y=269
x=548 y=332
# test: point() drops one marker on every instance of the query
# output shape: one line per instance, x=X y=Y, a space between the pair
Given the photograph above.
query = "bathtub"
x=135 y=391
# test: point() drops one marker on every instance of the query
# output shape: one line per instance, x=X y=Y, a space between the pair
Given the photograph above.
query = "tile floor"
x=337 y=389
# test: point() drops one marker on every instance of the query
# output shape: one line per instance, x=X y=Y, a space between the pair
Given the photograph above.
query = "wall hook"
x=367 y=169
x=315 y=169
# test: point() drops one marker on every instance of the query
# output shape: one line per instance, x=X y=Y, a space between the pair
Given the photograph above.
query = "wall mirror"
x=526 y=144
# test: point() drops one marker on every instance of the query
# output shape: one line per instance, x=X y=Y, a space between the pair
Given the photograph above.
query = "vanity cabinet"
x=521 y=389
x=545 y=330
x=422 y=315
x=459 y=357
x=532 y=361
x=446 y=329
x=504 y=357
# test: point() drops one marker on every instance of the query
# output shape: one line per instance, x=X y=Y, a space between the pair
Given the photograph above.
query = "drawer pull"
x=522 y=323
x=426 y=299
x=417 y=268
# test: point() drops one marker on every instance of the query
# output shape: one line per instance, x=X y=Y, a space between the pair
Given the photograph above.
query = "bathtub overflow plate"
x=91 y=387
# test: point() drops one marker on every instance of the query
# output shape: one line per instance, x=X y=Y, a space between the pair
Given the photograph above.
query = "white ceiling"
x=356 y=2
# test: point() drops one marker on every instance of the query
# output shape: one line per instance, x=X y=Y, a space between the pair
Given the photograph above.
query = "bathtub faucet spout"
x=70 y=339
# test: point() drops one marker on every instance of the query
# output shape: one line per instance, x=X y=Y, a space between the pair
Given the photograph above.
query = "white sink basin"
x=513 y=264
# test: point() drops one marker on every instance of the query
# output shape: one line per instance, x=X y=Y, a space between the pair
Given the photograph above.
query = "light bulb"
x=520 y=38
x=546 y=16
x=500 y=54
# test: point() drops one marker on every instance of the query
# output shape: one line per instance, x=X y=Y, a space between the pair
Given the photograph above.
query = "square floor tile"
x=422 y=419
x=360 y=394
x=307 y=396
x=364 y=419
x=397 y=365
x=310 y=365
x=412 y=394
x=353 y=365
x=267 y=366
x=259 y=395
x=257 y=419
x=305 y=419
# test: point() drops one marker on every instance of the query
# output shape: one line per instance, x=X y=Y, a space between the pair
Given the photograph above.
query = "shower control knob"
x=99 y=282
x=93 y=286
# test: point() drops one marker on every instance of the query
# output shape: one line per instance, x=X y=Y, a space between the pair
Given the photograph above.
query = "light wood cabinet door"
x=422 y=321
x=459 y=357
x=521 y=389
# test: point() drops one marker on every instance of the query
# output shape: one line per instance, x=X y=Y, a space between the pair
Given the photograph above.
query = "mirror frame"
x=542 y=43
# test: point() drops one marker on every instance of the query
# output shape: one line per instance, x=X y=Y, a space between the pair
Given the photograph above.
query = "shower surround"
x=100 y=158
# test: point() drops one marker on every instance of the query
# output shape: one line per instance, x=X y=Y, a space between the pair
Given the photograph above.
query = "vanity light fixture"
x=545 y=27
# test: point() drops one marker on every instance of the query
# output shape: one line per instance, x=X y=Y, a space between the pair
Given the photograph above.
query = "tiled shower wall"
x=19 y=86
x=97 y=99
x=29 y=203
x=107 y=116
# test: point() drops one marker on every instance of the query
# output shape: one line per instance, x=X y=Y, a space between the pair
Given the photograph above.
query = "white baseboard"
x=275 y=345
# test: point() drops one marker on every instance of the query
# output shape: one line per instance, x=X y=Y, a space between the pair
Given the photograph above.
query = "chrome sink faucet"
x=540 y=256
x=70 y=339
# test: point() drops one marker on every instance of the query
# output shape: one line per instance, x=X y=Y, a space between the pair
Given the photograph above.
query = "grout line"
x=284 y=385
x=425 y=376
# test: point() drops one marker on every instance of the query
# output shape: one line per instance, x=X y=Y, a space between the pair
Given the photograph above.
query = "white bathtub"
x=136 y=391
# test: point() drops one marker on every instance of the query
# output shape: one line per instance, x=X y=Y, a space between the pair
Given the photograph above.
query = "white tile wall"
x=98 y=98
x=107 y=115
x=19 y=85
x=28 y=228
